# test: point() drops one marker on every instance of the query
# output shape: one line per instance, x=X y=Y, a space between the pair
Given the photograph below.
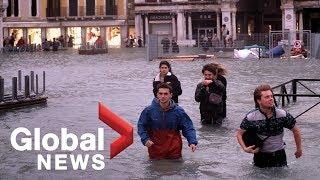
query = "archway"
x=258 y=16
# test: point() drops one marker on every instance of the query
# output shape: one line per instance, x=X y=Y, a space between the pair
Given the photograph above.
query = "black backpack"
x=250 y=137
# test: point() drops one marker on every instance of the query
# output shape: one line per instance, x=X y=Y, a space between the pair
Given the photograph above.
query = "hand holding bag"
x=215 y=98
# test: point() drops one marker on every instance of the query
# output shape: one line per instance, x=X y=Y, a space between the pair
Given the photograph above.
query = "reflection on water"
x=122 y=80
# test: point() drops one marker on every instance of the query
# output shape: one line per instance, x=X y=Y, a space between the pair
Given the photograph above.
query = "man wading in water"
x=160 y=123
x=268 y=121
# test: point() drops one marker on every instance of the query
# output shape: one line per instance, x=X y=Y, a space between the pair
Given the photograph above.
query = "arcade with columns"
x=187 y=20
x=85 y=20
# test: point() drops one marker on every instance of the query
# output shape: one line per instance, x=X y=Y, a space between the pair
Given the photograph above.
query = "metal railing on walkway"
x=285 y=96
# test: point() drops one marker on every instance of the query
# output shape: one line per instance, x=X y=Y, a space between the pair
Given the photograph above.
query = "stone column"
x=124 y=34
x=63 y=32
x=4 y=13
x=290 y=20
x=29 y=11
x=301 y=25
x=25 y=34
x=174 y=26
x=103 y=34
x=190 y=27
x=146 y=24
x=184 y=27
x=83 y=36
x=1 y=30
x=5 y=32
x=137 y=24
x=283 y=20
x=20 y=7
x=108 y=34
x=226 y=16
x=218 y=26
x=180 y=26
x=43 y=33
x=234 y=26
x=38 y=8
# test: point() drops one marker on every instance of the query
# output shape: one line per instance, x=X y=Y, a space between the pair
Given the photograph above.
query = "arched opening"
x=34 y=8
x=90 y=7
x=258 y=16
x=73 y=7
x=311 y=19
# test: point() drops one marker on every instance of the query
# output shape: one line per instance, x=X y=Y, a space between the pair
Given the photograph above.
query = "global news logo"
x=22 y=139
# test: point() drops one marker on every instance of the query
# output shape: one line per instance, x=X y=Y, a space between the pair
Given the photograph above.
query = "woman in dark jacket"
x=165 y=75
x=210 y=94
x=221 y=73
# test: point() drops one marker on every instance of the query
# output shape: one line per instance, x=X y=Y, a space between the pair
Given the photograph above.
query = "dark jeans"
x=224 y=112
x=274 y=159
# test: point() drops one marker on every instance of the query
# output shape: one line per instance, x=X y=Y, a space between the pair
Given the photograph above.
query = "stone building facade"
x=84 y=20
x=189 y=20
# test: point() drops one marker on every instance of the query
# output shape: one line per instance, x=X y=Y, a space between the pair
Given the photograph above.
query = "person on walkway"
x=222 y=71
x=62 y=41
x=268 y=121
x=209 y=93
x=139 y=41
x=160 y=123
x=175 y=46
x=165 y=45
x=55 y=45
x=98 y=43
x=225 y=35
x=166 y=75
x=21 y=43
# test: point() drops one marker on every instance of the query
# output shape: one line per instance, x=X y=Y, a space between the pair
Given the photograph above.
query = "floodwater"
x=122 y=80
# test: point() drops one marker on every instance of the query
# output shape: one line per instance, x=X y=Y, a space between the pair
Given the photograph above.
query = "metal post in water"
x=26 y=87
x=37 y=84
x=282 y=97
x=32 y=82
x=19 y=80
x=294 y=90
x=44 y=81
x=1 y=89
x=14 y=88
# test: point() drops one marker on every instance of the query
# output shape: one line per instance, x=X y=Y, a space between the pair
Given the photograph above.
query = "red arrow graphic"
x=118 y=124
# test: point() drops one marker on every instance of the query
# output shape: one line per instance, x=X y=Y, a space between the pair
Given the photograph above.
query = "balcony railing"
x=82 y=11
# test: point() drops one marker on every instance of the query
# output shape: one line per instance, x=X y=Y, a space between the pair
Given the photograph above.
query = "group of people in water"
x=46 y=45
x=132 y=41
x=166 y=45
x=160 y=123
